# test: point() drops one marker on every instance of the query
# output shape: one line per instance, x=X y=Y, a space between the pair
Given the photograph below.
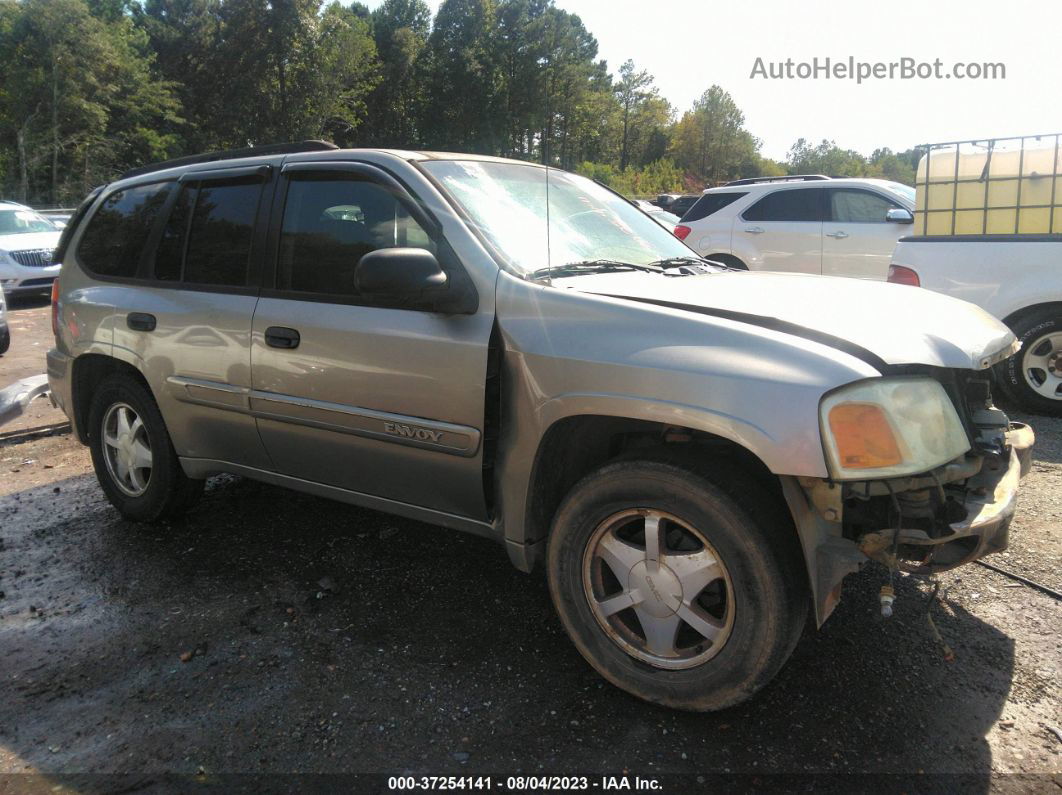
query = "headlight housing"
x=889 y=427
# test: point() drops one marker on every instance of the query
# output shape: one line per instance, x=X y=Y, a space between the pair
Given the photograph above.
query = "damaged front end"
x=924 y=523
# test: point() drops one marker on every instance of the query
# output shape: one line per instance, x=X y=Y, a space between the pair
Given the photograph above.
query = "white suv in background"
x=27 y=248
x=803 y=224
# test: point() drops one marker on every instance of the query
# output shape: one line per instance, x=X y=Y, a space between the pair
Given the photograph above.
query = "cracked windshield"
x=589 y=228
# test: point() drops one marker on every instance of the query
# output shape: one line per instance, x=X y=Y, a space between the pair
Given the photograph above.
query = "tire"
x=5 y=340
x=1034 y=374
x=149 y=493
x=758 y=617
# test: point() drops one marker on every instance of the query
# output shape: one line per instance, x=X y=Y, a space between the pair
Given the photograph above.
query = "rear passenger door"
x=355 y=392
x=782 y=231
x=187 y=318
x=857 y=239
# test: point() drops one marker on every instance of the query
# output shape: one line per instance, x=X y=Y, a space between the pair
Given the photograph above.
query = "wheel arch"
x=1013 y=317
x=88 y=370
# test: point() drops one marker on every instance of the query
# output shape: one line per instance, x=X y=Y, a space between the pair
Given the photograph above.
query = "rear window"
x=709 y=204
x=794 y=204
x=115 y=237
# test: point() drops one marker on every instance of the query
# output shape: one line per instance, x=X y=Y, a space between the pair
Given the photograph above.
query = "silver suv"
x=697 y=455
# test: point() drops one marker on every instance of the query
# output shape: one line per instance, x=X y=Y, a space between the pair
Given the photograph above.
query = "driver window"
x=859 y=207
x=330 y=222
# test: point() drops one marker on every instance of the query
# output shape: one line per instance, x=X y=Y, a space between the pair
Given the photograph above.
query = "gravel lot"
x=275 y=632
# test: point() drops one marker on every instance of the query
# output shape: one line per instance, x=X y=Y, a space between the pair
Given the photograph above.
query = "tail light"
x=55 y=308
x=898 y=274
x=682 y=232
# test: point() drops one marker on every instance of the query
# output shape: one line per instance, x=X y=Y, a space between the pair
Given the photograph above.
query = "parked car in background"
x=682 y=204
x=665 y=200
x=27 y=245
x=801 y=224
x=662 y=217
x=5 y=331
x=697 y=456
x=58 y=217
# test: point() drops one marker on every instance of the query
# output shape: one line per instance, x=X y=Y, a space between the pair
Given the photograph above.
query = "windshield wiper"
x=688 y=266
x=593 y=266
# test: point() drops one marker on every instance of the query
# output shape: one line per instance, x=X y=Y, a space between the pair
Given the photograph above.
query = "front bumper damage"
x=989 y=500
x=922 y=525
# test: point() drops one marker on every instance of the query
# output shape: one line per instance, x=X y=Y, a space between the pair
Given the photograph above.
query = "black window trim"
x=822 y=204
x=856 y=189
x=372 y=173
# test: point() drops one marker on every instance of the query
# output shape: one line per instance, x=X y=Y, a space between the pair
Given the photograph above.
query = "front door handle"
x=281 y=337
x=838 y=235
x=141 y=321
x=754 y=230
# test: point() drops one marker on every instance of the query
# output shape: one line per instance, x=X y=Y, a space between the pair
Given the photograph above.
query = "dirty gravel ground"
x=273 y=632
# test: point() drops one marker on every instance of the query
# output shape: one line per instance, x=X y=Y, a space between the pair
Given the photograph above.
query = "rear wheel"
x=133 y=456
x=1032 y=378
x=5 y=340
x=729 y=260
x=679 y=584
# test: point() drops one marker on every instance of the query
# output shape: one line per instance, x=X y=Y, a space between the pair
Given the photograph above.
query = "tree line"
x=91 y=88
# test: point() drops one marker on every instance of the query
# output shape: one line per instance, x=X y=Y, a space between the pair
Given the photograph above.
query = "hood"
x=896 y=324
x=29 y=240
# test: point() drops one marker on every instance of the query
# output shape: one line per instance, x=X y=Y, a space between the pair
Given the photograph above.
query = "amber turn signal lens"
x=863 y=437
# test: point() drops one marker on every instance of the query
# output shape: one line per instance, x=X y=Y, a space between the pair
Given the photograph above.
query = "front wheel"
x=1032 y=378
x=679 y=584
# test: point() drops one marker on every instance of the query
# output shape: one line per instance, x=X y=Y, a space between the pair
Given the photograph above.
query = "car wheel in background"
x=679 y=583
x=1032 y=378
x=5 y=339
x=132 y=453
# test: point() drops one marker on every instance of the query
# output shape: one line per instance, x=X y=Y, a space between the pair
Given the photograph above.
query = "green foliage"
x=91 y=88
x=660 y=176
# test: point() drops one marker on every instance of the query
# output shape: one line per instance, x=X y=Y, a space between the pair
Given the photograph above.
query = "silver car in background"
x=697 y=455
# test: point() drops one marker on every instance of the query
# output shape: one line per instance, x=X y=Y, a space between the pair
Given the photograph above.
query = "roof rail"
x=786 y=178
x=232 y=154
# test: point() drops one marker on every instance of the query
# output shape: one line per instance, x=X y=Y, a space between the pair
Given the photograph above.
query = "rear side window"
x=709 y=204
x=207 y=238
x=220 y=232
x=794 y=204
x=115 y=237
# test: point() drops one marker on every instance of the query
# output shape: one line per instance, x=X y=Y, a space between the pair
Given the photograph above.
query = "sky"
x=688 y=45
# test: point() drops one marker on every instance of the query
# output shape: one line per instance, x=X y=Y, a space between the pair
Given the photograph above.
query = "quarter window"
x=116 y=235
x=793 y=204
x=330 y=222
x=858 y=207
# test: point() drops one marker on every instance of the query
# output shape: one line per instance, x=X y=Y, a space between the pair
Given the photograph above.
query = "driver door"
x=356 y=393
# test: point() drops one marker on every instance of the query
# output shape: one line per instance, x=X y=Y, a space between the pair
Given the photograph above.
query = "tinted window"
x=710 y=203
x=858 y=207
x=115 y=237
x=795 y=204
x=220 y=232
x=682 y=204
x=170 y=253
x=330 y=222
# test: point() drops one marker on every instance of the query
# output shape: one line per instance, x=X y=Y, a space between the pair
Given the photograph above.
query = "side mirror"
x=898 y=215
x=399 y=273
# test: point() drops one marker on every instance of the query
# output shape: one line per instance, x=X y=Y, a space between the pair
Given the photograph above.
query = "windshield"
x=23 y=221
x=582 y=222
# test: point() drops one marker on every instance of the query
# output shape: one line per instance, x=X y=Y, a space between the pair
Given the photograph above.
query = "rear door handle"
x=754 y=230
x=837 y=235
x=281 y=337
x=141 y=321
